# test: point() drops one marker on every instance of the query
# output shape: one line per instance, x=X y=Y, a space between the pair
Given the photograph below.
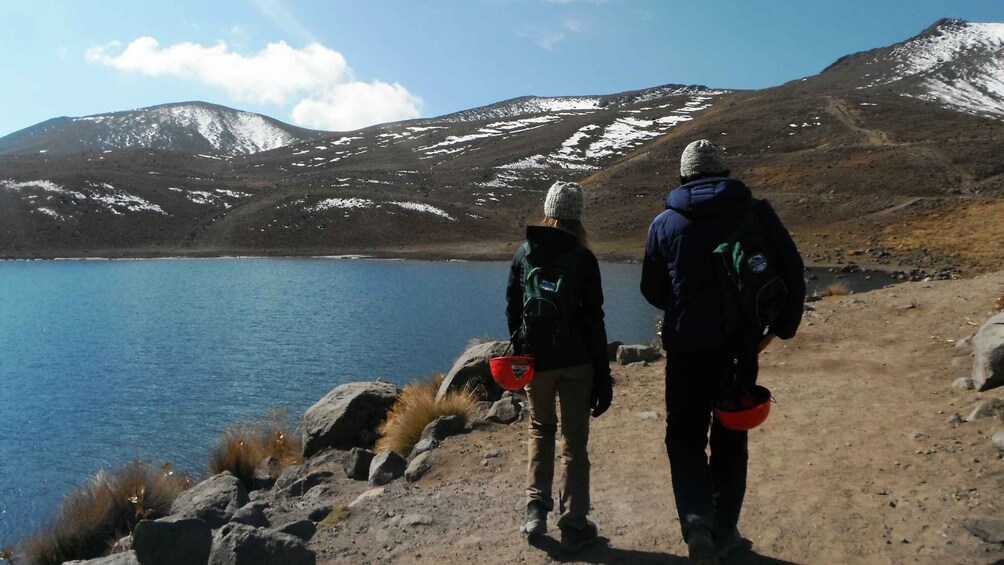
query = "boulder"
x=358 y=466
x=443 y=427
x=471 y=370
x=505 y=411
x=238 y=544
x=214 y=500
x=988 y=529
x=306 y=480
x=627 y=354
x=127 y=558
x=303 y=529
x=418 y=467
x=423 y=446
x=346 y=416
x=266 y=473
x=253 y=514
x=385 y=467
x=612 y=348
x=988 y=354
x=172 y=542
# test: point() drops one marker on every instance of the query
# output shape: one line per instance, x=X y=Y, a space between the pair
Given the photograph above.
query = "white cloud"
x=549 y=37
x=356 y=104
x=317 y=80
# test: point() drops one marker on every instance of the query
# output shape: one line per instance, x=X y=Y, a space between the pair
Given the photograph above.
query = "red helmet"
x=512 y=372
x=745 y=410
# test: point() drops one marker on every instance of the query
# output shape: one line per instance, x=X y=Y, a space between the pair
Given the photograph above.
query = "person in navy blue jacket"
x=702 y=359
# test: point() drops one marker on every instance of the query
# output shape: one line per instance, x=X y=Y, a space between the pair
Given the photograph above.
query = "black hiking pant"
x=709 y=491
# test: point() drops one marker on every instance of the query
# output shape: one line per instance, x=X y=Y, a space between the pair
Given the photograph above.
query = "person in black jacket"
x=578 y=372
x=703 y=358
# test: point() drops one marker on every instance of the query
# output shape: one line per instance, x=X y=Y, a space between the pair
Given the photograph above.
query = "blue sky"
x=346 y=64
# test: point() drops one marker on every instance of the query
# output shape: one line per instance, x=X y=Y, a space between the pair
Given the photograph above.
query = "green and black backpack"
x=549 y=301
x=754 y=292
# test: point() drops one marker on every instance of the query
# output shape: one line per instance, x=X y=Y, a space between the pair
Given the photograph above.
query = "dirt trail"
x=856 y=463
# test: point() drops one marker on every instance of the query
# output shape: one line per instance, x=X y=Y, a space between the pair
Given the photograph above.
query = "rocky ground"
x=867 y=457
x=876 y=451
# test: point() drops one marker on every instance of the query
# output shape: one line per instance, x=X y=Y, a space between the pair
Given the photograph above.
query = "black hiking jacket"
x=588 y=343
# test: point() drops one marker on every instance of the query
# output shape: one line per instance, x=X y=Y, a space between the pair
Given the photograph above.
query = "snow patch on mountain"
x=959 y=64
x=53 y=195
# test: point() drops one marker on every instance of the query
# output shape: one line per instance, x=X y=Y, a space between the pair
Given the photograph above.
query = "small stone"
x=253 y=514
x=412 y=520
x=385 y=467
x=955 y=419
x=648 y=415
x=303 y=529
x=443 y=427
x=505 y=411
x=423 y=446
x=357 y=467
x=998 y=441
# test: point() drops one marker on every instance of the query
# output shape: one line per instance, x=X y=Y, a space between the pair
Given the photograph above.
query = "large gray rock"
x=627 y=354
x=214 y=500
x=990 y=530
x=385 y=467
x=303 y=529
x=346 y=416
x=471 y=370
x=303 y=481
x=988 y=354
x=423 y=446
x=238 y=544
x=418 y=467
x=127 y=558
x=358 y=466
x=172 y=542
x=506 y=410
x=253 y=514
x=443 y=427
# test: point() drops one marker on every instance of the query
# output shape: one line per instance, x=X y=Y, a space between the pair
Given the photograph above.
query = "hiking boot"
x=574 y=540
x=701 y=548
x=535 y=520
x=729 y=542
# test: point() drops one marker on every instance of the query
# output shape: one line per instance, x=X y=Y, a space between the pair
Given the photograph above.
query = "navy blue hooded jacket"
x=678 y=274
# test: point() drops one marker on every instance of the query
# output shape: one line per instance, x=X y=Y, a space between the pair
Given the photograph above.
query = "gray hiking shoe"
x=701 y=548
x=574 y=540
x=729 y=542
x=535 y=520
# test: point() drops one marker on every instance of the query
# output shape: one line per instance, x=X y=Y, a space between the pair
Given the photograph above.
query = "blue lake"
x=102 y=362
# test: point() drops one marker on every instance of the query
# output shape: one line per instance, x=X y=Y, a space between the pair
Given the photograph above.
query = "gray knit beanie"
x=703 y=158
x=564 y=201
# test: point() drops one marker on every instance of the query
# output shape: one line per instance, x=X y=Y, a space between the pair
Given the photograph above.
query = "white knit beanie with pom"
x=564 y=201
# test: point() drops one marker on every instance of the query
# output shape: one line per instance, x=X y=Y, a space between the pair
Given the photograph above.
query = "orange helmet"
x=512 y=372
x=745 y=410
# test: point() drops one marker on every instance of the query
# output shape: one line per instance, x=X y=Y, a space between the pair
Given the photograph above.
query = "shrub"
x=243 y=446
x=95 y=515
x=415 y=408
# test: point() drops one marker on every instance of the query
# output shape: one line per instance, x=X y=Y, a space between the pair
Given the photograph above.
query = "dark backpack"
x=754 y=292
x=549 y=301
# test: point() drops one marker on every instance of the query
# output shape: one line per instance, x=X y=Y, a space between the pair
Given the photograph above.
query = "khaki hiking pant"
x=572 y=386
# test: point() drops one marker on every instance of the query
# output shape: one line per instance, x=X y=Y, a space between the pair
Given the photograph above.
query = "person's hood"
x=707 y=198
x=547 y=243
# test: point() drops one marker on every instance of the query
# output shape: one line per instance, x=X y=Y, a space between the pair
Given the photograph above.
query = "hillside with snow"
x=190 y=127
x=955 y=63
x=860 y=161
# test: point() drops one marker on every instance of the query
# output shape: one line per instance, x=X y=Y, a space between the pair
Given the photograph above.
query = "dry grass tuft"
x=95 y=515
x=836 y=289
x=416 y=407
x=243 y=446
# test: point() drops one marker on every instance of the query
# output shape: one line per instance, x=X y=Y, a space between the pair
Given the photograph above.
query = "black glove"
x=603 y=391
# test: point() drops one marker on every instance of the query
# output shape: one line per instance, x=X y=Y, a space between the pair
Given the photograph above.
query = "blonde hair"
x=573 y=227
